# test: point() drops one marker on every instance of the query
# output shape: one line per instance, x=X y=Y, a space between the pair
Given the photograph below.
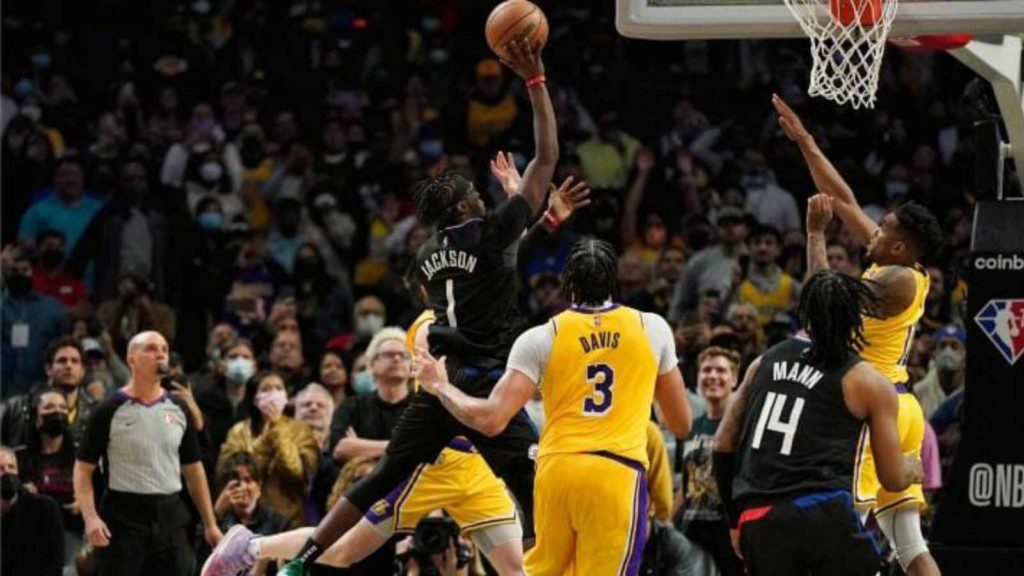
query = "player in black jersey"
x=784 y=453
x=468 y=268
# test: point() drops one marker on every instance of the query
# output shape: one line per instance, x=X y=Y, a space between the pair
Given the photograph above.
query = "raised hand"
x=819 y=212
x=522 y=59
x=567 y=198
x=503 y=168
x=430 y=371
x=790 y=122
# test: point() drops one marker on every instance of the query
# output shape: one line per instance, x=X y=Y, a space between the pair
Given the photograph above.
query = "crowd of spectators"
x=236 y=175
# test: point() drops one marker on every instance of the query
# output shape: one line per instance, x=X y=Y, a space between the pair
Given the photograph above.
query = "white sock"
x=254 y=547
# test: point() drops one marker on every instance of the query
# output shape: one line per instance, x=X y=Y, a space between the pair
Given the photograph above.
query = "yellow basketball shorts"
x=460 y=482
x=590 y=514
x=868 y=491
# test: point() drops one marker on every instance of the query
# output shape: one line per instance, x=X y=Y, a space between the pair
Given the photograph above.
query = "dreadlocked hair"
x=591 y=275
x=436 y=197
x=922 y=228
x=832 y=307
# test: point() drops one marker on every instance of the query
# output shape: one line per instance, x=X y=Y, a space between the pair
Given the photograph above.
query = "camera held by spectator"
x=435 y=549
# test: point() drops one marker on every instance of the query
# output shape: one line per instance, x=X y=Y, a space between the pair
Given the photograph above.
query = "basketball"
x=516 y=18
x=864 y=12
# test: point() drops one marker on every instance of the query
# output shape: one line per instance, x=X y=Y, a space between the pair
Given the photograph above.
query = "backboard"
x=708 y=19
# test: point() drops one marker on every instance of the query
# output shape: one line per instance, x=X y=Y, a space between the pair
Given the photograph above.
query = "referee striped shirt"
x=144 y=445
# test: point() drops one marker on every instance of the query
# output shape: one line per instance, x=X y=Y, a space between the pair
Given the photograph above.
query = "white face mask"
x=369 y=324
x=211 y=172
x=239 y=370
x=947 y=360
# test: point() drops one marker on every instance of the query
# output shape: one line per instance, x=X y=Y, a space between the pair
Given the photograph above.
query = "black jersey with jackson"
x=469 y=271
x=798 y=435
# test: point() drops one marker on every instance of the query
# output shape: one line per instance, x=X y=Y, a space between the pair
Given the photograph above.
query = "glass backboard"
x=682 y=19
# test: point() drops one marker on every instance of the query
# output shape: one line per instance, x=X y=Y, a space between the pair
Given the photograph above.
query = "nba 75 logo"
x=1003 y=322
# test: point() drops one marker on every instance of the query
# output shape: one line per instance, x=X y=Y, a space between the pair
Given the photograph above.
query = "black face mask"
x=9 y=486
x=19 y=285
x=54 y=424
x=50 y=259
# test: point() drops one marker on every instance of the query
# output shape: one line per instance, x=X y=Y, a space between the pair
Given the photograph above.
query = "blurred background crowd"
x=236 y=175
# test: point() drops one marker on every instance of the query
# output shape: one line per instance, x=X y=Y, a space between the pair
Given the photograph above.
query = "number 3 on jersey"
x=601 y=377
x=771 y=414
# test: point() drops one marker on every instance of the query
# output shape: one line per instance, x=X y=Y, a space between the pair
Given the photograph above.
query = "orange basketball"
x=516 y=19
x=864 y=12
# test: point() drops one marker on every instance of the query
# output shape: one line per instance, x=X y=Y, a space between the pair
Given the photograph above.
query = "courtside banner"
x=983 y=501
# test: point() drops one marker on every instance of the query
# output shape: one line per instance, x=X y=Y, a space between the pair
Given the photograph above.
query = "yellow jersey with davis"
x=598 y=384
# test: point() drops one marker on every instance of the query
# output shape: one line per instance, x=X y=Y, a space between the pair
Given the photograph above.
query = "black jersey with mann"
x=469 y=271
x=798 y=435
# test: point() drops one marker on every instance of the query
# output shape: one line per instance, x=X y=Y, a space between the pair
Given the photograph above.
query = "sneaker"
x=292 y=568
x=231 y=555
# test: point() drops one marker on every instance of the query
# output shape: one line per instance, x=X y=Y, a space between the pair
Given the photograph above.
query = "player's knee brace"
x=494 y=537
x=902 y=527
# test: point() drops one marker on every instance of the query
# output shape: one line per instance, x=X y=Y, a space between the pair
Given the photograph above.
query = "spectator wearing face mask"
x=362 y=425
x=29 y=321
x=286 y=451
x=127 y=235
x=949 y=367
x=65 y=373
x=291 y=230
x=766 y=286
x=66 y=208
x=35 y=547
x=221 y=394
x=368 y=316
x=50 y=278
x=47 y=464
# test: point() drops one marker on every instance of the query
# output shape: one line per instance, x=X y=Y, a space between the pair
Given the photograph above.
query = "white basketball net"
x=847 y=58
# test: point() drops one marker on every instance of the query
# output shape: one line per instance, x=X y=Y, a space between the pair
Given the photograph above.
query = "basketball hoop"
x=847 y=44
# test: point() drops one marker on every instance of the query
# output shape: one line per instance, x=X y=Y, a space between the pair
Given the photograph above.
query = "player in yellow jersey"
x=895 y=248
x=599 y=366
x=459 y=481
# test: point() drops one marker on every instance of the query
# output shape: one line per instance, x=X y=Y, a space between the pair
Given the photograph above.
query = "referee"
x=148 y=444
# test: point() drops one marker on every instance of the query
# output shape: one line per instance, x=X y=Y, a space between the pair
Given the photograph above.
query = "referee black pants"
x=148 y=536
x=425 y=427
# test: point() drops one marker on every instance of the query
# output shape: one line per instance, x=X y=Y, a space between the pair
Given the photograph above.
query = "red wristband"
x=551 y=219
x=536 y=81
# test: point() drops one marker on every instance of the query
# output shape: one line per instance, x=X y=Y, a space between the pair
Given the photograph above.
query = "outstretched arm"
x=488 y=415
x=529 y=66
x=819 y=214
x=826 y=177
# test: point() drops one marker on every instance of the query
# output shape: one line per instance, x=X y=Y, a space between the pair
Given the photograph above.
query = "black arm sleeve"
x=722 y=464
x=510 y=220
x=97 y=432
x=188 y=451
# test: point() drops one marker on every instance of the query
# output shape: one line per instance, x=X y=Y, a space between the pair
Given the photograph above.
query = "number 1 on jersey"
x=771 y=414
x=601 y=377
